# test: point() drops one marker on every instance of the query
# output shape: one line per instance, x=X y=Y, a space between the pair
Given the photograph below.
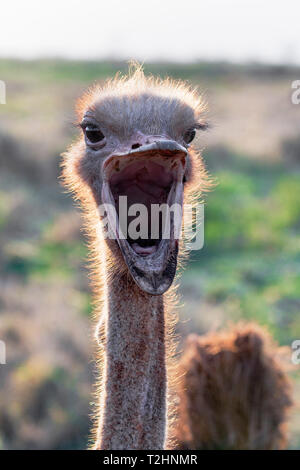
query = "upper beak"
x=164 y=147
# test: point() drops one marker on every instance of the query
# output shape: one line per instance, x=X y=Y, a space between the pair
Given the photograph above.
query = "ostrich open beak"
x=151 y=176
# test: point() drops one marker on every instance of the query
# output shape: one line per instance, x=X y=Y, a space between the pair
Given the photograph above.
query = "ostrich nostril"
x=135 y=146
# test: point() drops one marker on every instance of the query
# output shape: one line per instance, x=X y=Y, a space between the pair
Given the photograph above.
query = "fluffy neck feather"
x=133 y=410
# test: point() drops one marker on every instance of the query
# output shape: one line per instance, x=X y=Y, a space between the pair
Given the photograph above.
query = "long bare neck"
x=133 y=409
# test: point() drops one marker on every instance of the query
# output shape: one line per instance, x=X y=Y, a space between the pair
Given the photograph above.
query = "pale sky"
x=185 y=30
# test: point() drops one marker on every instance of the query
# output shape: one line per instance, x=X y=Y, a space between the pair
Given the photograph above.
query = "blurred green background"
x=249 y=267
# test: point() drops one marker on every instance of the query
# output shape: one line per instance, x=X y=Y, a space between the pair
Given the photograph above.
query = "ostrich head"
x=136 y=142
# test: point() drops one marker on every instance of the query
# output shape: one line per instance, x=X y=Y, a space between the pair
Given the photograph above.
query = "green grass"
x=249 y=267
x=250 y=261
x=50 y=70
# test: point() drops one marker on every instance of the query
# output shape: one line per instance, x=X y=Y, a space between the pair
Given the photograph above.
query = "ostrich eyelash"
x=202 y=126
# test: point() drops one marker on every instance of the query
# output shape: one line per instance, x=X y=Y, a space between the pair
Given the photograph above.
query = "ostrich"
x=234 y=391
x=135 y=142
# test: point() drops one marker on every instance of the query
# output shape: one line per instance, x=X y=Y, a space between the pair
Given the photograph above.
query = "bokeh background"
x=244 y=59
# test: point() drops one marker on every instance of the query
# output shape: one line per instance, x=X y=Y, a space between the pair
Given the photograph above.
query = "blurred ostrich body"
x=142 y=118
x=234 y=391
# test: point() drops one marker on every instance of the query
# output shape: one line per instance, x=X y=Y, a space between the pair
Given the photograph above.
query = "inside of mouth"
x=144 y=182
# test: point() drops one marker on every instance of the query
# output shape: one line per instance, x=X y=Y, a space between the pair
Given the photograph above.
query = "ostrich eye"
x=189 y=135
x=93 y=133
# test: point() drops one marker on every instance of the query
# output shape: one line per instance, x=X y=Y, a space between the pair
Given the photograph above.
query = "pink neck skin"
x=133 y=410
